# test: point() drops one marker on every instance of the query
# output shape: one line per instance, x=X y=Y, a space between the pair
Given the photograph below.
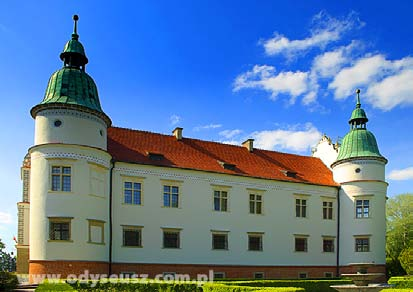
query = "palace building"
x=113 y=200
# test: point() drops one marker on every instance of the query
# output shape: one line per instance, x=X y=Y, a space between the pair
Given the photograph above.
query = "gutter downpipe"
x=112 y=166
x=338 y=234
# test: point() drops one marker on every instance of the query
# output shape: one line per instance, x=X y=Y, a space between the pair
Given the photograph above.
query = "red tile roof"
x=135 y=146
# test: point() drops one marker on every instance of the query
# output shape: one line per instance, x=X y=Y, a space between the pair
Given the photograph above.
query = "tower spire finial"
x=358 y=104
x=75 y=36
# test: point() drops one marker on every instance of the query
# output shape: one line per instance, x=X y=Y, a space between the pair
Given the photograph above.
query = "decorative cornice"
x=63 y=111
x=216 y=181
x=66 y=155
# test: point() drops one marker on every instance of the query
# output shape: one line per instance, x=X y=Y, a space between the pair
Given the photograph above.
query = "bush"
x=394 y=268
x=398 y=290
x=159 y=286
x=401 y=282
x=221 y=287
x=309 y=285
x=46 y=286
x=8 y=281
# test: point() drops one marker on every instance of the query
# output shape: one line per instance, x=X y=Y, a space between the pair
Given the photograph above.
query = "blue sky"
x=281 y=72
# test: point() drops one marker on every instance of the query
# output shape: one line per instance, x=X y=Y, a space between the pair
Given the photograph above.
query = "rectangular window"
x=59 y=229
x=328 y=245
x=363 y=244
x=219 y=275
x=328 y=274
x=300 y=208
x=96 y=231
x=221 y=201
x=171 y=239
x=362 y=208
x=132 y=236
x=220 y=241
x=301 y=244
x=302 y=275
x=61 y=178
x=255 y=242
x=259 y=275
x=171 y=196
x=132 y=193
x=255 y=204
x=328 y=210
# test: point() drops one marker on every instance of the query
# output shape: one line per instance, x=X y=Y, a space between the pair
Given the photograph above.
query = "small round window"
x=358 y=170
x=57 y=123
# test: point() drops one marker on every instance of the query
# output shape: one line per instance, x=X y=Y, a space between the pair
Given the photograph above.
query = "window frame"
x=332 y=239
x=219 y=233
x=132 y=228
x=171 y=231
x=259 y=235
x=133 y=181
x=301 y=237
x=327 y=210
x=61 y=175
x=171 y=184
x=221 y=200
x=254 y=201
x=301 y=210
x=60 y=220
x=362 y=237
x=262 y=275
x=362 y=207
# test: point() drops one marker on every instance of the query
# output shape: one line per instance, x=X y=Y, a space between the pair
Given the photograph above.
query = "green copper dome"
x=71 y=86
x=359 y=142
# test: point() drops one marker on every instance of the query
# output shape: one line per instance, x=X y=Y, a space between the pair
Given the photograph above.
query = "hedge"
x=398 y=290
x=54 y=287
x=309 y=285
x=401 y=282
x=220 y=287
x=159 y=286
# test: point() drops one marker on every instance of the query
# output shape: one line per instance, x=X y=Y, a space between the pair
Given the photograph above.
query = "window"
x=328 y=210
x=221 y=201
x=362 y=244
x=61 y=178
x=328 y=275
x=219 y=275
x=362 y=208
x=132 y=236
x=258 y=275
x=300 y=208
x=255 y=242
x=168 y=276
x=171 y=238
x=301 y=244
x=171 y=196
x=220 y=241
x=132 y=193
x=59 y=229
x=302 y=275
x=328 y=245
x=96 y=231
x=255 y=204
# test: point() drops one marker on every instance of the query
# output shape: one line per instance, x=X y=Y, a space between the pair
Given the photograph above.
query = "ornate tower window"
x=362 y=209
x=61 y=178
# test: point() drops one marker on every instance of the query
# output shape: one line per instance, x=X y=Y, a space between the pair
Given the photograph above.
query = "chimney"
x=177 y=132
x=249 y=144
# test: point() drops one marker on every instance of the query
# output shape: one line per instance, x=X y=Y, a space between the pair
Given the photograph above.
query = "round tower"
x=69 y=172
x=360 y=170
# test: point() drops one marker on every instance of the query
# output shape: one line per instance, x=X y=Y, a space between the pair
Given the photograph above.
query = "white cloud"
x=388 y=82
x=325 y=30
x=228 y=134
x=392 y=91
x=290 y=139
x=175 y=119
x=207 y=127
x=264 y=77
x=5 y=218
x=401 y=174
x=231 y=142
x=329 y=63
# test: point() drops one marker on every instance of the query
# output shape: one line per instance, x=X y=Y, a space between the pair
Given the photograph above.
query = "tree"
x=7 y=260
x=399 y=215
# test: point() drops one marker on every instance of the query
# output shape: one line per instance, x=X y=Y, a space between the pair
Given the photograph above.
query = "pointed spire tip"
x=75 y=36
